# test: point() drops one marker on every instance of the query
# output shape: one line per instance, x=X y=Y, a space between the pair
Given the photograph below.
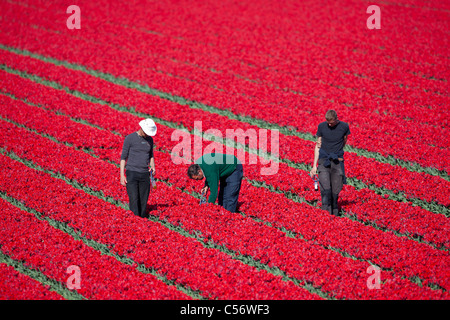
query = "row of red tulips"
x=178 y=258
x=412 y=184
x=17 y=286
x=380 y=209
x=327 y=269
x=315 y=221
x=267 y=94
x=310 y=44
x=164 y=201
x=98 y=276
x=328 y=254
x=227 y=53
x=365 y=204
x=400 y=143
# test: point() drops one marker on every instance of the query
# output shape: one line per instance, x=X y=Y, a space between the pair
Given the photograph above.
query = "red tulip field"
x=250 y=78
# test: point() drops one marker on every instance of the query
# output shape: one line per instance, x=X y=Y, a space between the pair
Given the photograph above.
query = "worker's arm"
x=316 y=156
x=205 y=188
x=345 y=141
x=123 y=179
x=213 y=183
x=152 y=165
x=123 y=160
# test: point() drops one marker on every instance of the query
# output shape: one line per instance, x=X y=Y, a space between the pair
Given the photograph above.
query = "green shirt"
x=216 y=166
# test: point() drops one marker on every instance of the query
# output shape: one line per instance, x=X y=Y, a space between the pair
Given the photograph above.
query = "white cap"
x=148 y=126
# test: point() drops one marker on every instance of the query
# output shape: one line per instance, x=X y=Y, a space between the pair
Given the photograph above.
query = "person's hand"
x=204 y=190
x=313 y=171
x=123 y=180
x=152 y=170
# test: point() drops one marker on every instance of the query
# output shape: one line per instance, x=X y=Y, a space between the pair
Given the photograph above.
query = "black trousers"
x=229 y=189
x=331 y=181
x=138 y=189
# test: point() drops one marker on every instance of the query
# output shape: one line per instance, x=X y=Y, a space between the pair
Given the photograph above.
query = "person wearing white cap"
x=138 y=161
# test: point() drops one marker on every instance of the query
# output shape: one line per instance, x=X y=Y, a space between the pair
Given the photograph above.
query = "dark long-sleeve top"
x=137 y=151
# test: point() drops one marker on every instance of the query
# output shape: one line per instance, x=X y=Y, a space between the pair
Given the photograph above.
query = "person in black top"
x=137 y=158
x=329 y=156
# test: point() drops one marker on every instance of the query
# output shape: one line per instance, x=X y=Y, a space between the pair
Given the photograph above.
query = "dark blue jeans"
x=138 y=189
x=229 y=189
